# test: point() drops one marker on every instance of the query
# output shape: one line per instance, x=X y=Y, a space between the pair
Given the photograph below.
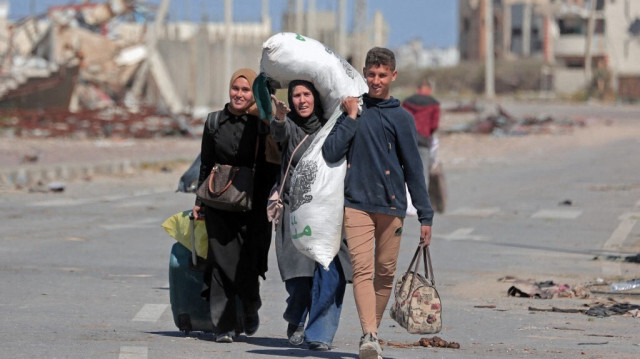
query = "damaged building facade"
x=582 y=41
x=126 y=57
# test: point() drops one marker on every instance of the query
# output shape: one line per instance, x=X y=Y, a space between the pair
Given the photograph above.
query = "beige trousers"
x=374 y=243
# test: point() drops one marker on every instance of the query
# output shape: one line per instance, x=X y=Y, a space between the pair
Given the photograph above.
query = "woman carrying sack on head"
x=315 y=295
x=238 y=241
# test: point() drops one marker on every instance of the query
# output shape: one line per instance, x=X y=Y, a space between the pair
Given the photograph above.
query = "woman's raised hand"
x=281 y=108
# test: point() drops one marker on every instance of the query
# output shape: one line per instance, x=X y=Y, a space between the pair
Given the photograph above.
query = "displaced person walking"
x=426 y=113
x=238 y=241
x=315 y=295
x=382 y=155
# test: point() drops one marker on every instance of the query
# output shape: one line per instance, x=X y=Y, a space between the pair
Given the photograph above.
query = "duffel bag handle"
x=415 y=263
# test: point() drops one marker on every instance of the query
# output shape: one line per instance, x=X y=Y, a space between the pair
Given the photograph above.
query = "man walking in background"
x=426 y=113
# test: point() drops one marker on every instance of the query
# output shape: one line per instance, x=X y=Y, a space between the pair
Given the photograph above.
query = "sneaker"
x=318 y=346
x=224 y=337
x=295 y=333
x=370 y=347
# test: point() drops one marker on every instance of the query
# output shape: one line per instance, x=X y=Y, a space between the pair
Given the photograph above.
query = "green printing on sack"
x=305 y=232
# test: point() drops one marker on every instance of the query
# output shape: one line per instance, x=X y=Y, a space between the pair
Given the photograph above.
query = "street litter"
x=434 y=342
x=626 y=309
x=557 y=310
x=546 y=290
x=55 y=187
x=632 y=284
x=617 y=258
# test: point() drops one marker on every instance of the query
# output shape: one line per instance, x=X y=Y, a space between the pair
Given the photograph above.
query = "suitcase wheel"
x=184 y=323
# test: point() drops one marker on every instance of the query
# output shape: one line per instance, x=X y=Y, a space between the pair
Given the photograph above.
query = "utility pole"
x=312 y=28
x=361 y=32
x=265 y=10
x=489 y=79
x=526 y=30
x=587 y=48
x=342 y=28
x=299 y=17
x=228 y=42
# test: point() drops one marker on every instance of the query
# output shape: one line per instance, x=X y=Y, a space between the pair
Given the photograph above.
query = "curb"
x=29 y=175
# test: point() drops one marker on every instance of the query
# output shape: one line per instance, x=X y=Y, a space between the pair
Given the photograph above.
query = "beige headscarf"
x=272 y=151
x=250 y=75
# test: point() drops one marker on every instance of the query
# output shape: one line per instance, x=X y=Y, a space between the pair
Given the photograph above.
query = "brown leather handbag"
x=229 y=188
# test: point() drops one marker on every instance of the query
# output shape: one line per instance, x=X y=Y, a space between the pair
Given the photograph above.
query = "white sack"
x=317 y=188
x=317 y=201
x=288 y=56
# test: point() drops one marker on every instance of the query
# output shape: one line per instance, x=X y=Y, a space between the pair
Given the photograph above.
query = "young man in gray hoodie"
x=382 y=155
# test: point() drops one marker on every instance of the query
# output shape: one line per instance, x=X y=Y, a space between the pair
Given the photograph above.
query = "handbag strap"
x=286 y=172
x=213 y=174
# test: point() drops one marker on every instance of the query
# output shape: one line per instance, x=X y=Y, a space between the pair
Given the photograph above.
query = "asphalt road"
x=84 y=272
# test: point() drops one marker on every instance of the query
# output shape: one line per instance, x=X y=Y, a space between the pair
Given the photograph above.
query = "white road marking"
x=150 y=313
x=62 y=202
x=619 y=235
x=557 y=214
x=475 y=212
x=462 y=234
x=133 y=353
x=615 y=242
x=65 y=202
x=629 y=215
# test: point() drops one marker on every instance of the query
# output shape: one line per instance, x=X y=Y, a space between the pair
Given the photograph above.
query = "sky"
x=432 y=21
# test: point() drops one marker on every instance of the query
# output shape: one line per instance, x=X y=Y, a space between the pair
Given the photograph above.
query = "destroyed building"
x=585 y=43
x=125 y=57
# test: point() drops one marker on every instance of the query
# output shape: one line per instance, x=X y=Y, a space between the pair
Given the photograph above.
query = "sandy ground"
x=455 y=148
x=470 y=150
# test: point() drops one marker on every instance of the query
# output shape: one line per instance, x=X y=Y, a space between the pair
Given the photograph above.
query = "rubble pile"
x=83 y=70
x=111 y=122
x=502 y=123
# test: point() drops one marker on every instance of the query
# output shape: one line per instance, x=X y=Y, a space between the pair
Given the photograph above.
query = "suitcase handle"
x=194 y=256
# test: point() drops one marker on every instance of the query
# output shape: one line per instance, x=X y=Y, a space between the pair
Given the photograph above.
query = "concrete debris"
x=461 y=107
x=39 y=186
x=56 y=187
x=70 y=72
x=115 y=122
x=502 y=123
